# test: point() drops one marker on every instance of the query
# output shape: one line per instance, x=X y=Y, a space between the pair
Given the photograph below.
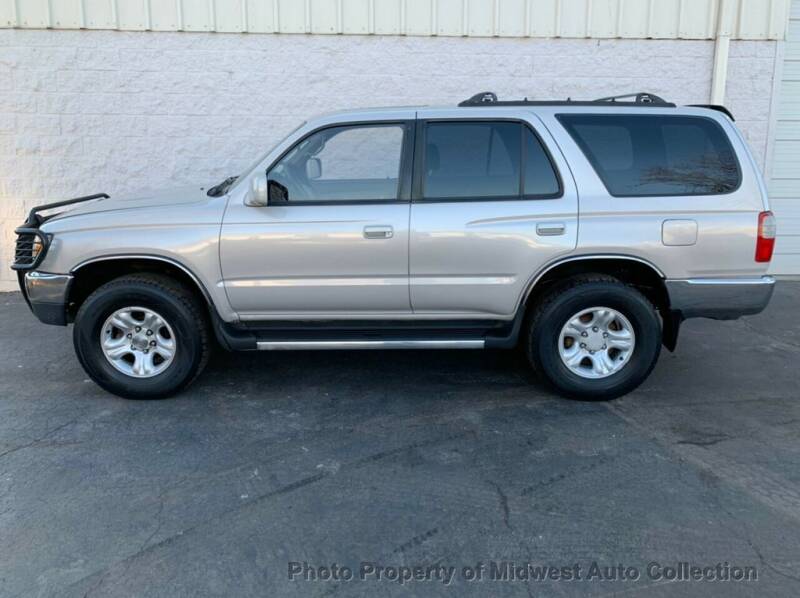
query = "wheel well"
x=637 y=274
x=95 y=274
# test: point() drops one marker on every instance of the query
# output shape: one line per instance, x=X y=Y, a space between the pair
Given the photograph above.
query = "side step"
x=317 y=345
x=315 y=336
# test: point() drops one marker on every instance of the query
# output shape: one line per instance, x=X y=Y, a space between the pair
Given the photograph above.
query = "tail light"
x=765 y=243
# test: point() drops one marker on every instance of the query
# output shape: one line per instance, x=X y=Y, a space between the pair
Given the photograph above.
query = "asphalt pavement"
x=440 y=473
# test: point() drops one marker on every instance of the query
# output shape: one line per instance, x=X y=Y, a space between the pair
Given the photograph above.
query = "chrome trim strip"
x=369 y=344
x=725 y=281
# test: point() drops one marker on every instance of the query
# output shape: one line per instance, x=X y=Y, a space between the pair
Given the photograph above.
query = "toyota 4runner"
x=584 y=232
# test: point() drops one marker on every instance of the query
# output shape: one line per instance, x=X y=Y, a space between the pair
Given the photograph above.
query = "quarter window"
x=540 y=178
x=348 y=163
x=651 y=155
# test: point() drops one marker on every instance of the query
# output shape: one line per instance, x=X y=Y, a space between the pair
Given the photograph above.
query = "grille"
x=27 y=240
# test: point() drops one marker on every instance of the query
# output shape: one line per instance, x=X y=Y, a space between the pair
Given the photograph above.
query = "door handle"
x=550 y=229
x=378 y=232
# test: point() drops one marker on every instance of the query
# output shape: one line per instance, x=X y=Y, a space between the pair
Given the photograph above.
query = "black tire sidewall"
x=92 y=316
x=630 y=303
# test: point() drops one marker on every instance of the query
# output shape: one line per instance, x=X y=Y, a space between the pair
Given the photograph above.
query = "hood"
x=148 y=199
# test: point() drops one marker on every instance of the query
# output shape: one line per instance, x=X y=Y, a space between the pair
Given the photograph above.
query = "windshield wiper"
x=223 y=187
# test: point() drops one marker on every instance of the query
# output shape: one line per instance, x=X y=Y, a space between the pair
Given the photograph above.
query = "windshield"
x=222 y=187
x=260 y=159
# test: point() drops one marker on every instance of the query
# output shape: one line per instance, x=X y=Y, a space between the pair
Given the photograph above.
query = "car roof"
x=486 y=103
x=398 y=113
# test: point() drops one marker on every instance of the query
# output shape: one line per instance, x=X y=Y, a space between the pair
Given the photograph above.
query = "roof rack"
x=640 y=100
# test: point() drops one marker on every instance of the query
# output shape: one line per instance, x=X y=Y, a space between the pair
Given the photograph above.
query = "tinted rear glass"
x=642 y=155
x=472 y=159
x=481 y=159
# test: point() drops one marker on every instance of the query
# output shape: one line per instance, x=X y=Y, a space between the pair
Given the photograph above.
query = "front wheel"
x=142 y=336
x=594 y=338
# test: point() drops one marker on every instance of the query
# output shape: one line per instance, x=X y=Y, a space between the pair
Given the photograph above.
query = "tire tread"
x=538 y=310
x=183 y=295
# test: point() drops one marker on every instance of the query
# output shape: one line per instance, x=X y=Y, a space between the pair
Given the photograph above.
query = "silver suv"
x=584 y=232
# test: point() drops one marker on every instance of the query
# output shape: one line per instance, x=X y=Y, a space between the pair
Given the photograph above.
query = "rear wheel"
x=594 y=338
x=142 y=336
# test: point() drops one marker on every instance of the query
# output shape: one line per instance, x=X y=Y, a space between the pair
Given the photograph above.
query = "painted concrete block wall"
x=89 y=111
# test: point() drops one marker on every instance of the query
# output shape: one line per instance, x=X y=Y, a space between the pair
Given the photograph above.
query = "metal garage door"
x=784 y=185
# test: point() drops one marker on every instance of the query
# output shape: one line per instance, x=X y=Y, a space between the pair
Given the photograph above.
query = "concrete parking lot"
x=402 y=459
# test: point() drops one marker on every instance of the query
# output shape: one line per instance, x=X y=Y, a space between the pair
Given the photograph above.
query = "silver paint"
x=418 y=260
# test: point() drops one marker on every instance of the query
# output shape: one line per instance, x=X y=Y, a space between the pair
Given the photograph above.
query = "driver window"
x=358 y=163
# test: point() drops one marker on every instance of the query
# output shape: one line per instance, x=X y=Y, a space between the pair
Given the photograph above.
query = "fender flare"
x=511 y=339
x=151 y=257
x=582 y=258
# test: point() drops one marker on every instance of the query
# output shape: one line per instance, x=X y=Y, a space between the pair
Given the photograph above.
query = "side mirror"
x=258 y=196
x=313 y=169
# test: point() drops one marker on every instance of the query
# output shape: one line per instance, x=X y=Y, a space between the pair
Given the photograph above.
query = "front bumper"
x=720 y=298
x=46 y=295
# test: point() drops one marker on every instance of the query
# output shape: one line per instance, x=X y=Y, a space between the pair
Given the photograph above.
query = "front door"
x=493 y=203
x=337 y=246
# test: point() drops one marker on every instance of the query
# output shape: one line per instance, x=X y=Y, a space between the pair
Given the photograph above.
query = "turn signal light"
x=36 y=248
x=765 y=243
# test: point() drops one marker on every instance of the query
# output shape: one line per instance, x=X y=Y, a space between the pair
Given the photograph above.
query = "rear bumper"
x=47 y=295
x=720 y=298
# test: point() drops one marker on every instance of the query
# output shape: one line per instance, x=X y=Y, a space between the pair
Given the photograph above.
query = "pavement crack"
x=415 y=541
x=780 y=343
x=767 y=563
x=711 y=440
x=503 y=505
x=564 y=475
x=408 y=447
x=744 y=535
x=296 y=485
x=41 y=438
x=775 y=492
x=158 y=518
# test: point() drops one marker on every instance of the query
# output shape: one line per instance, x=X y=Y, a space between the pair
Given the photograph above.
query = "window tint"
x=343 y=164
x=472 y=160
x=641 y=155
x=540 y=178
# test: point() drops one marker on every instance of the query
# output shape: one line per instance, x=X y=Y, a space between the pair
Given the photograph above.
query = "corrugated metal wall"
x=784 y=185
x=667 y=19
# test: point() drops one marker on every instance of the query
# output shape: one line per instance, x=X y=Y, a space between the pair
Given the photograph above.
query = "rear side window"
x=486 y=160
x=644 y=155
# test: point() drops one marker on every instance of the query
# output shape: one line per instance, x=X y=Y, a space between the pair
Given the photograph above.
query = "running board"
x=309 y=345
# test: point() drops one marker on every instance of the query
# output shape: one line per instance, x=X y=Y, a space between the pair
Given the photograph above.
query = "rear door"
x=493 y=203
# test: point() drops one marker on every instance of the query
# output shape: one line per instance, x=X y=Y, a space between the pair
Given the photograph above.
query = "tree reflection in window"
x=710 y=173
x=650 y=155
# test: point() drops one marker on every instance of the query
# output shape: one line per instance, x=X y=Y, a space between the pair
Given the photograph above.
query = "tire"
x=181 y=329
x=556 y=327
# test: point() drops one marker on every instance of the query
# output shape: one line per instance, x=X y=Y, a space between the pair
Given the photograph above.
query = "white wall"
x=89 y=111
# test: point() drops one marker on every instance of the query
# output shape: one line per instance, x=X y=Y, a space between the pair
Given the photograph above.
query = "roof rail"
x=640 y=100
